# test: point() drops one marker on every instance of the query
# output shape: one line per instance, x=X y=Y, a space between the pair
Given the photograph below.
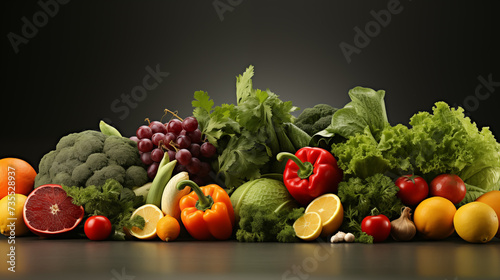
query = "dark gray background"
x=91 y=52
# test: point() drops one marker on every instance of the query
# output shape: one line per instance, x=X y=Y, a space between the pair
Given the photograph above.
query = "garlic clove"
x=349 y=237
x=334 y=239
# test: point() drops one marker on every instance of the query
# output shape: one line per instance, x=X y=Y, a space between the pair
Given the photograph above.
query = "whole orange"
x=492 y=198
x=16 y=175
x=433 y=218
x=168 y=228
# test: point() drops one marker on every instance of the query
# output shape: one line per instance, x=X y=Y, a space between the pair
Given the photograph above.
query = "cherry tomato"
x=97 y=228
x=377 y=226
x=412 y=189
x=449 y=186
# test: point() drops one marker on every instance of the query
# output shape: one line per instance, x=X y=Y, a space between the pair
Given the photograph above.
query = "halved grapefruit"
x=49 y=211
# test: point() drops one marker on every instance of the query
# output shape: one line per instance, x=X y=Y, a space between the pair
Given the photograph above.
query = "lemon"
x=152 y=214
x=433 y=218
x=11 y=213
x=308 y=227
x=330 y=209
x=476 y=222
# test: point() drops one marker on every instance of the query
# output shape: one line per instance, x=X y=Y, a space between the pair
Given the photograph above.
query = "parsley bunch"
x=111 y=200
x=365 y=197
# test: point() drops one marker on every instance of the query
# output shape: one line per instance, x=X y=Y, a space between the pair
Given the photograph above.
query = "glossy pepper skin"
x=206 y=212
x=310 y=173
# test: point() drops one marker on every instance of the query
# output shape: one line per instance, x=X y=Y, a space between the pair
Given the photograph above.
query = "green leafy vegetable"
x=363 y=156
x=248 y=135
x=265 y=211
x=111 y=200
x=448 y=142
x=444 y=141
x=364 y=197
x=366 y=109
x=260 y=225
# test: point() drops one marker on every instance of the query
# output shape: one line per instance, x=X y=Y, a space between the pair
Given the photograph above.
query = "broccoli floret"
x=256 y=225
x=80 y=174
x=97 y=161
x=87 y=144
x=111 y=171
x=120 y=151
x=315 y=119
x=322 y=123
x=133 y=175
x=90 y=158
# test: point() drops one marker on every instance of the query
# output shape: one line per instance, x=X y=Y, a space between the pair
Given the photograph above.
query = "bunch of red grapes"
x=182 y=140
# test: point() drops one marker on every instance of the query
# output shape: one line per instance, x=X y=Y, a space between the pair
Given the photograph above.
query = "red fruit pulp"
x=48 y=210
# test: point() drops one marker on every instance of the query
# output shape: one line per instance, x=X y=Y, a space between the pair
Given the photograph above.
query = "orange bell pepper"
x=206 y=212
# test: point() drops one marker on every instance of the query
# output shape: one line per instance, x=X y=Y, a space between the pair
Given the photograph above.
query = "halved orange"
x=331 y=211
x=308 y=227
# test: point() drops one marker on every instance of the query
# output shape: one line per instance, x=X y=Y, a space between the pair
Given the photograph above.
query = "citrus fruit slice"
x=308 y=227
x=168 y=228
x=151 y=214
x=476 y=222
x=48 y=211
x=16 y=174
x=433 y=218
x=492 y=198
x=11 y=215
x=330 y=209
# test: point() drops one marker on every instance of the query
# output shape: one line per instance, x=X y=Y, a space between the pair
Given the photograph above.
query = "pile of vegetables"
x=442 y=142
x=269 y=166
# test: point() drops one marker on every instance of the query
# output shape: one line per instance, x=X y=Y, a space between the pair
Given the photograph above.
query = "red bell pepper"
x=206 y=212
x=310 y=173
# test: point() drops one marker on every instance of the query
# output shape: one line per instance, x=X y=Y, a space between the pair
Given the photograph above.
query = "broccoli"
x=257 y=225
x=313 y=120
x=90 y=158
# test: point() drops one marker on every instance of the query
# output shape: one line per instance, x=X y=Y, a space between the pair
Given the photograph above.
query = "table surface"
x=136 y=260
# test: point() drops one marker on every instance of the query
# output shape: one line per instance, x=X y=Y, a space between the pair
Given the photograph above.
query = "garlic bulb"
x=403 y=229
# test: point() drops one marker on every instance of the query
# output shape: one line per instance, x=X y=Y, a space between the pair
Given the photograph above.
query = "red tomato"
x=97 y=228
x=449 y=186
x=412 y=189
x=377 y=226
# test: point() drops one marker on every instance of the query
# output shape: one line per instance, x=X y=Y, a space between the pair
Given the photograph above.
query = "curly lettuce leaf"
x=444 y=141
x=363 y=156
x=448 y=142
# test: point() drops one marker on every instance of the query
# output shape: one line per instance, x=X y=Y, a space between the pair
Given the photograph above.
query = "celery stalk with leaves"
x=250 y=134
